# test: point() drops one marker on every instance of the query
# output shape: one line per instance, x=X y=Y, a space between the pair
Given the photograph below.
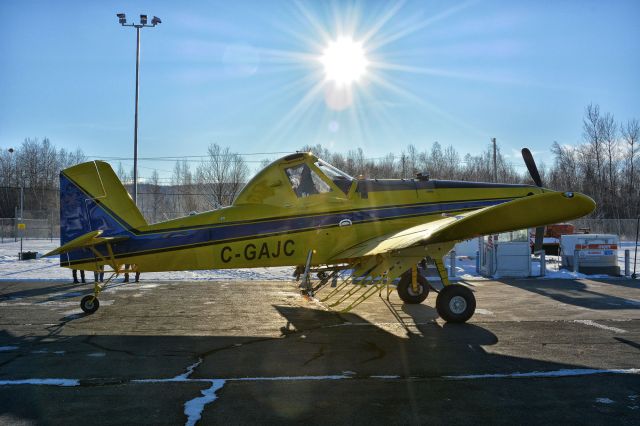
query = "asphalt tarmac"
x=536 y=351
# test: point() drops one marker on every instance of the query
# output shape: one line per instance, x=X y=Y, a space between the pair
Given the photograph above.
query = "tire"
x=406 y=293
x=89 y=304
x=456 y=303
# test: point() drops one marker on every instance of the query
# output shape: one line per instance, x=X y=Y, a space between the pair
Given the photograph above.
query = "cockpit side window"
x=305 y=181
x=340 y=178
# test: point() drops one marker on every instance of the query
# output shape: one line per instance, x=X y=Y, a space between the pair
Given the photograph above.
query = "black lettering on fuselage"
x=249 y=252
x=222 y=256
x=264 y=251
x=286 y=251
x=277 y=252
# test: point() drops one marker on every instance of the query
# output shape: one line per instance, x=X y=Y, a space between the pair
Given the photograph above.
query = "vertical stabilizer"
x=92 y=198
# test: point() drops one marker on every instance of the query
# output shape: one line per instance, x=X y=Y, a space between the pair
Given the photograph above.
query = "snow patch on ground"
x=186 y=374
x=601 y=326
x=8 y=348
x=193 y=408
x=604 y=401
x=46 y=382
x=555 y=373
x=48 y=269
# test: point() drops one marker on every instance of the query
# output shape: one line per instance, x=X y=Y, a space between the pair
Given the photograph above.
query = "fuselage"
x=295 y=205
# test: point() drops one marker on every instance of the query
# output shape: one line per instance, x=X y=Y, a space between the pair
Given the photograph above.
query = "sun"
x=345 y=61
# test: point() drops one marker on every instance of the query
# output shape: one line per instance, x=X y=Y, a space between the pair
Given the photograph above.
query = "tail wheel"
x=89 y=304
x=406 y=292
x=456 y=303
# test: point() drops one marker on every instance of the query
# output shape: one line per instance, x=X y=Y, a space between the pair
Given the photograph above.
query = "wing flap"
x=527 y=212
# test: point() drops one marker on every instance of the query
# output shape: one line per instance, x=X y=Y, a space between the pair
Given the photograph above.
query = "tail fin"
x=92 y=198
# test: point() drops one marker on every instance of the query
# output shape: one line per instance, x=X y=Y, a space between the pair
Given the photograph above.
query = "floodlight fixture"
x=155 y=21
x=143 y=19
x=122 y=18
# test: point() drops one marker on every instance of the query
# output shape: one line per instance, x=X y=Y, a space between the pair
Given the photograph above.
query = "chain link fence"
x=626 y=229
x=40 y=229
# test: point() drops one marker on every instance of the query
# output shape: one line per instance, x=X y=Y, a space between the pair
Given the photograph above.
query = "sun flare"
x=344 y=61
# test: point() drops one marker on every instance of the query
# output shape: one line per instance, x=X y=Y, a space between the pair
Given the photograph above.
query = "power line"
x=173 y=157
x=187 y=158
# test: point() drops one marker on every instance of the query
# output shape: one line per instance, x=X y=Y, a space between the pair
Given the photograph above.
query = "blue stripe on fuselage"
x=164 y=240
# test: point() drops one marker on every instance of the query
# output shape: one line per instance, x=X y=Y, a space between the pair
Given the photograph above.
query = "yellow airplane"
x=301 y=211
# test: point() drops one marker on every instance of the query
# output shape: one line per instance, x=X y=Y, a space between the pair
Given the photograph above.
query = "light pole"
x=122 y=19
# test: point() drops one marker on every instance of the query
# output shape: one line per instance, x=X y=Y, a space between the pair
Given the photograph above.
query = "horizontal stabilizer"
x=87 y=240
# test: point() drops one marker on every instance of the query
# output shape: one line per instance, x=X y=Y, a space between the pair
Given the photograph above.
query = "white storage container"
x=597 y=253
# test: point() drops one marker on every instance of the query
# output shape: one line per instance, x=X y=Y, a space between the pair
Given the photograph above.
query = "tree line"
x=35 y=166
x=604 y=165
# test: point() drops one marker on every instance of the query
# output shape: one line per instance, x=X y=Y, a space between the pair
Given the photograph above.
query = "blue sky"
x=246 y=74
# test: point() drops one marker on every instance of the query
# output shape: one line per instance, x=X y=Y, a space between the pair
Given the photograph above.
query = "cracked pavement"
x=282 y=358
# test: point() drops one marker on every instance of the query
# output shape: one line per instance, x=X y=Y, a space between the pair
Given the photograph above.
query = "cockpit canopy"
x=305 y=181
x=340 y=178
x=297 y=175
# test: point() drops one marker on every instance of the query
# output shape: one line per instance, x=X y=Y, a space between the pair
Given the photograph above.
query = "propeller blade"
x=531 y=166
x=537 y=245
x=535 y=175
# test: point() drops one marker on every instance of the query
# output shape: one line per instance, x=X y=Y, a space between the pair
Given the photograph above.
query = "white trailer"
x=597 y=253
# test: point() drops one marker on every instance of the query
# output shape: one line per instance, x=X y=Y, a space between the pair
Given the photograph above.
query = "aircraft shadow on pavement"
x=41 y=291
x=574 y=292
x=313 y=343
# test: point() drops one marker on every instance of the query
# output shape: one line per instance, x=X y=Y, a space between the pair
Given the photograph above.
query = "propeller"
x=531 y=166
x=535 y=175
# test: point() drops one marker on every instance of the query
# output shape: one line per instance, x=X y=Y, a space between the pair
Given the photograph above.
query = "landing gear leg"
x=305 y=283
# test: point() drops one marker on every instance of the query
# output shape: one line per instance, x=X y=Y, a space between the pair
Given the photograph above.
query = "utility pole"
x=122 y=19
x=20 y=225
x=495 y=164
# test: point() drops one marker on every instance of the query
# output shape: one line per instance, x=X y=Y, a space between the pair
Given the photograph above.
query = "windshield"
x=305 y=181
x=340 y=178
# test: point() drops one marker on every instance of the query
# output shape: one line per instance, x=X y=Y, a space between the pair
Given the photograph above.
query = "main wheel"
x=407 y=294
x=456 y=303
x=89 y=304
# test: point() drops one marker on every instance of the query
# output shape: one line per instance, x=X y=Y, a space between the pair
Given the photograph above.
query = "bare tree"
x=156 y=197
x=221 y=176
x=592 y=135
x=630 y=132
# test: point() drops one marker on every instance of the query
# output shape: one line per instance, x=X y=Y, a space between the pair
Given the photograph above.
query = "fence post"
x=543 y=263
x=627 y=262
x=575 y=260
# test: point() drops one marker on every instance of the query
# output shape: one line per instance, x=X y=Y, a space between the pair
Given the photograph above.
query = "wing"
x=526 y=212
